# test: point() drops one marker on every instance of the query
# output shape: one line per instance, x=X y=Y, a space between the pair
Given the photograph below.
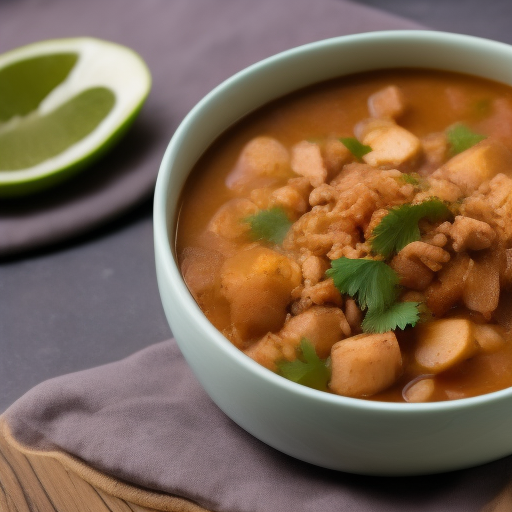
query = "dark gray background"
x=95 y=300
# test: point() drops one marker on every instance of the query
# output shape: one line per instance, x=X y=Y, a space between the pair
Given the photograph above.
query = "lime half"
x=62 y=103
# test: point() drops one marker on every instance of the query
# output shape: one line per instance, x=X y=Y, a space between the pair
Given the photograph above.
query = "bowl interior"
x=235 y=98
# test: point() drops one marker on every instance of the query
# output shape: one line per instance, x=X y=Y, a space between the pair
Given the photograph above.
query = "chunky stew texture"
x=356 y=237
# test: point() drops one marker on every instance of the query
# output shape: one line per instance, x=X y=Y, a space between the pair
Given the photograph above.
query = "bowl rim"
x=164 y=234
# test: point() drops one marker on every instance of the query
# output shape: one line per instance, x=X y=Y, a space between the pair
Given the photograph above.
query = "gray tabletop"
x=95 y=300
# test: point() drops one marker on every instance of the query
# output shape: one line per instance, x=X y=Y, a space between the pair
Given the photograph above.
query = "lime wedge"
x=62 y=104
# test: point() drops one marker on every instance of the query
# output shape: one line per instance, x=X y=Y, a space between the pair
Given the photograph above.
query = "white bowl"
x=332 y=431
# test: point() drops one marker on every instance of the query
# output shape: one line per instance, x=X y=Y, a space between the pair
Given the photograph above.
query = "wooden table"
x=32 y=481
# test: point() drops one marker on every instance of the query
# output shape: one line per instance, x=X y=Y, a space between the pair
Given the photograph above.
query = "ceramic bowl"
x=332 y=431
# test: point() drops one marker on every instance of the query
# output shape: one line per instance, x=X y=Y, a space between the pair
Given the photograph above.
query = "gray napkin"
x=146 y=420
x=190 y=47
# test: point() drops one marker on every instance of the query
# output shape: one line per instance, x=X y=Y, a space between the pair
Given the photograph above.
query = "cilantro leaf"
x=410 y=179
x=311 y=371
x=355 y=147
x=372 y=283
x=397 y=316
x=400 y=226
x=271 y=225
x=460 y=138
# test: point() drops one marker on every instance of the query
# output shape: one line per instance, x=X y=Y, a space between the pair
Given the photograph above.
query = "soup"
x=356 y=236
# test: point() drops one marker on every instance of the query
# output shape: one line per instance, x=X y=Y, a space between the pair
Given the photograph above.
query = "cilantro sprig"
x=400 y=226
x=355 y=147
x=374 y=285
x=308 y=369
x=271 y=225
x=371 y=283
x=397 y=316
x=460 y=138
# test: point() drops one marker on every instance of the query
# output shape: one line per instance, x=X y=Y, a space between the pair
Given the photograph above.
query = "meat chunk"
x=257 y=283
x=322 y=293
x=440 y=188
x=416 y=263
x=499 y=203
x=447 y=291
x=444 y=343
x=290 y=199
x=263 y=161
x=307 y=161
x=392 y=145
x=365 y=364
x=313 y=269
x=469 y=169
x=388 y=102
x=471 y=234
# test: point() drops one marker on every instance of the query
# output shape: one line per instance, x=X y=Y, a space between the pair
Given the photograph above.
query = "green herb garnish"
x=355 y=147
x=399 y=315
x=460 y=138
x=400 y=226
x=271 y=225
x=308 y=370
x=410 y=179
x=373 y=284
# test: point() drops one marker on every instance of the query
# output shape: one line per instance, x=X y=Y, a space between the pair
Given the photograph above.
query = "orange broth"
x=436 y=100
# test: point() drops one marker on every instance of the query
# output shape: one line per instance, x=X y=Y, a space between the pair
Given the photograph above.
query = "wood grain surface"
x=32 y=481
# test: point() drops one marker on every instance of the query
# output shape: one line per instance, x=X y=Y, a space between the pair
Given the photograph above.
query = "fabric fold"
x=147 y=421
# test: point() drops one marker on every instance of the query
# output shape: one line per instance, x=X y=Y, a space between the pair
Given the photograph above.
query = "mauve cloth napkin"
x=190 y=46
x=146 y=420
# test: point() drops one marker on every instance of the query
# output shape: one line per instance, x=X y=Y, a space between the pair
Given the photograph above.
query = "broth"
x=322 y=115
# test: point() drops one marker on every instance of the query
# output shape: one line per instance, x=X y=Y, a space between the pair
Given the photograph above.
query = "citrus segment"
x=24 y=84
x=62 y=103
x=39 y=138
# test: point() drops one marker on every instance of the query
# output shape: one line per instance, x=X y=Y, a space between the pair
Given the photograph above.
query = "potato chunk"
x=268 y=351
x=228 y=220
x=420 y=390
x=482 y=285
x=365 y=364
x=490 y=338
x=477 y=164
x=392 y=145
x=388 y=102
x=257 y=283
x=320 y=325
x=335 y=155
x=442 y=344
x=307 y=161
x=262 y=162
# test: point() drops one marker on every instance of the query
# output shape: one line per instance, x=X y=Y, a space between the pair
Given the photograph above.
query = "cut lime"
x=62 y=103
